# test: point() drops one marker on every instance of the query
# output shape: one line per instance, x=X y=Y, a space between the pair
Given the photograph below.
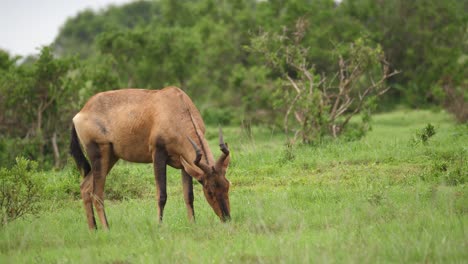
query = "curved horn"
x=224 y=148
x=223 y=145
x=198 y=153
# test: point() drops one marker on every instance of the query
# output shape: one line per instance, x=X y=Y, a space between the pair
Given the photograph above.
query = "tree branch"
x=294 y=84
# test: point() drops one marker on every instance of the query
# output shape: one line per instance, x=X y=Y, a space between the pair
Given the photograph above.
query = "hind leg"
x=102 y=159
x=86 y=189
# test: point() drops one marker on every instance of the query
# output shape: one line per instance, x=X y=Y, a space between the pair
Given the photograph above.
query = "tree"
x=322 y=104
x=39 y=100
x=37 y=91
x=78 y=34
x=426 y=40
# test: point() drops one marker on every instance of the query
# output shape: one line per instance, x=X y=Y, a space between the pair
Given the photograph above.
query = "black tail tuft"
x=77 y=153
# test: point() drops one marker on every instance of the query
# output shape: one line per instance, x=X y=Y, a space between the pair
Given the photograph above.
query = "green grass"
x=384 y=198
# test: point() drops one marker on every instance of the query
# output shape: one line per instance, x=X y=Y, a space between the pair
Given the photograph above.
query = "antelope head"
x=215 y=185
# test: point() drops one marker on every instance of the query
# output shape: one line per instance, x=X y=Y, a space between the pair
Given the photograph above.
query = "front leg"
x=159 y=163
x=187 y=184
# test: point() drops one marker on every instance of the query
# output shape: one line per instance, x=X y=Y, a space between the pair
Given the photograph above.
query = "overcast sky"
x=26 y=25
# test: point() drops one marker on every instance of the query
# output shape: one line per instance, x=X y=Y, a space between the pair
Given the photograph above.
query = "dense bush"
x=123 y=182
x=322 y=103
x=456 y=100
x=38 y=100
x=20 y=190
x=62 y=184
x=129 y=182
x=449 y=168
x=219 y=116
x=426 y=40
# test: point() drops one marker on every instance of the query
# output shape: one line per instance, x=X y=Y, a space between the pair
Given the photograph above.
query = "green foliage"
x=94 y=77
x=20 y=189
x=450 y=168
x=77 y=35
x=288 y=154
x=125 y=183
x=198 y=44
x=42 y=91
x=18 y=147
x=427 y=133
x=39 y=100
x=423 y=135
x=125 y=48
x=6 y=61
x=219 y=116
x=62 y=185
x=424 y=39
x=320 y=106
x=455 y=99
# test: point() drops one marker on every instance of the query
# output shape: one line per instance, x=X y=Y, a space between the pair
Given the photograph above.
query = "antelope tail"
x=77 y=153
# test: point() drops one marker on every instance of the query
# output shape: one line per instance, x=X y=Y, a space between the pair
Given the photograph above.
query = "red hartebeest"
x=162 y=127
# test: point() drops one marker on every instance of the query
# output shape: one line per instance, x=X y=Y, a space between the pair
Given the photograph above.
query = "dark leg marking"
x=187 y=184
x=159 y=161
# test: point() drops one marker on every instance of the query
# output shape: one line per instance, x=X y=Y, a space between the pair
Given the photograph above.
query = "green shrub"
x=287 y=155
x=12 y=147
x=128 y=183
x=218 y=116
x=457 y=171
x=63 y=184
x=450 y=168
x=123 y=182
x=19 y=190
x=355 y=131
x=423 y=135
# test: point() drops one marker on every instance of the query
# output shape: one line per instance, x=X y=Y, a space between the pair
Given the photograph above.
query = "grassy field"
x=385 y=198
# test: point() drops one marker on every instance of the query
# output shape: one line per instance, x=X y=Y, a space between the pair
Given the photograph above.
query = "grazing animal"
x=162 y=127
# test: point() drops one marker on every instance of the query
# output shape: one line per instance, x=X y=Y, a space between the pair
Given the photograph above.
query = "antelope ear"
x=226 y=162
x=193 y=171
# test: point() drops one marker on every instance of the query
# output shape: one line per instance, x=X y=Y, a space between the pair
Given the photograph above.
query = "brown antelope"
x=162 y=127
